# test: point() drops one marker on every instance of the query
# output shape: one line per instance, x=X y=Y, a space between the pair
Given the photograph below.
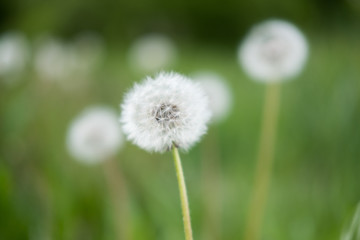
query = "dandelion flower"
x=218 y=93
x=14 y=54
x=95 y=135
x=54 y=60
x=165 y=110
x=273 y=51
x=152 y=53
x=69 y=64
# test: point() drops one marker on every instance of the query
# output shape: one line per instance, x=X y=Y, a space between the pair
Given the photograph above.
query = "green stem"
x=354 y=230
x=119 y=199
x=183 y=194
x=264 y=163
x=212 y=187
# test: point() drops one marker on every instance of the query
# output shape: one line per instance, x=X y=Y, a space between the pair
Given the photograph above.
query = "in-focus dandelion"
x=165 y=110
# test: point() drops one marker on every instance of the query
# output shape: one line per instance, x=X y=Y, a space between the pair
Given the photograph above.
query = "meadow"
x=46 y=194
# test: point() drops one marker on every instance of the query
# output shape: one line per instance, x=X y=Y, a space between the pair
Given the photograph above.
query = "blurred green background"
x=45 y=194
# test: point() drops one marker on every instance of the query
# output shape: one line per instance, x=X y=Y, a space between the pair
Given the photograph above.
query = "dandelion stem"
x=264 y=163
x=118 y=195
x=354 y=230
x=212 y=187
x=183 y=194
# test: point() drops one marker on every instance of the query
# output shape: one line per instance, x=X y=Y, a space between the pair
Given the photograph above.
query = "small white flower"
x=14 y=54
x=95 y=135
x=152 y=53
x=220 y=97
x=274 y=50
x=165 y=110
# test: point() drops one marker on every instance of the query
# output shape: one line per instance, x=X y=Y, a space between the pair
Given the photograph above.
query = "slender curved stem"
x=183 y=194
x=264 y=162
x=353 y=232
x=212 y=187
x=118 y=195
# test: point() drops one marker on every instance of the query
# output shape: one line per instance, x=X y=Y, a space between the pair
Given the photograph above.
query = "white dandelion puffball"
x=152 y=53
x=14 y=54
x=273 y=51
x=54 y=60
x=218 y=92
x=95 y=135
x=165 y=110
x=68 y=63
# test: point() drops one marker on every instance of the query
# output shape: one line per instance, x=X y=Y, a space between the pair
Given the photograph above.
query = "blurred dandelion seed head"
x=68 y=63
x=218 y=92
x=94 y=135
x=14 y=54
x=152 y=53
x=274 y=50
x=54 y=60
x=165 y=110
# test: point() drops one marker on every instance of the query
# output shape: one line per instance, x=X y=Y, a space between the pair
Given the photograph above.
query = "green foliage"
x=44 y=194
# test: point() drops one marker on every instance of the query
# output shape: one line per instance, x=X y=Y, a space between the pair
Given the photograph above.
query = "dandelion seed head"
x=152 y=53
x=14 y=54
x=218 y=92
x=70 y=64
x=95 y=135
x=54 y=60
x=274 y=50
x=165 y=110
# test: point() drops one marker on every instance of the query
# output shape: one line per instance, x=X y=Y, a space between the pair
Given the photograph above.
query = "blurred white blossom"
x=220 y=96
x=95 y=135
x=274 y=50
x=152 y=53
x=14 y=55
x=165 y=110
x=68 y=63
x=54 y=60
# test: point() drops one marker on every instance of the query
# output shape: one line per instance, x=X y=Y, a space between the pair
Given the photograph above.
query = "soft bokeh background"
x=45 y=194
